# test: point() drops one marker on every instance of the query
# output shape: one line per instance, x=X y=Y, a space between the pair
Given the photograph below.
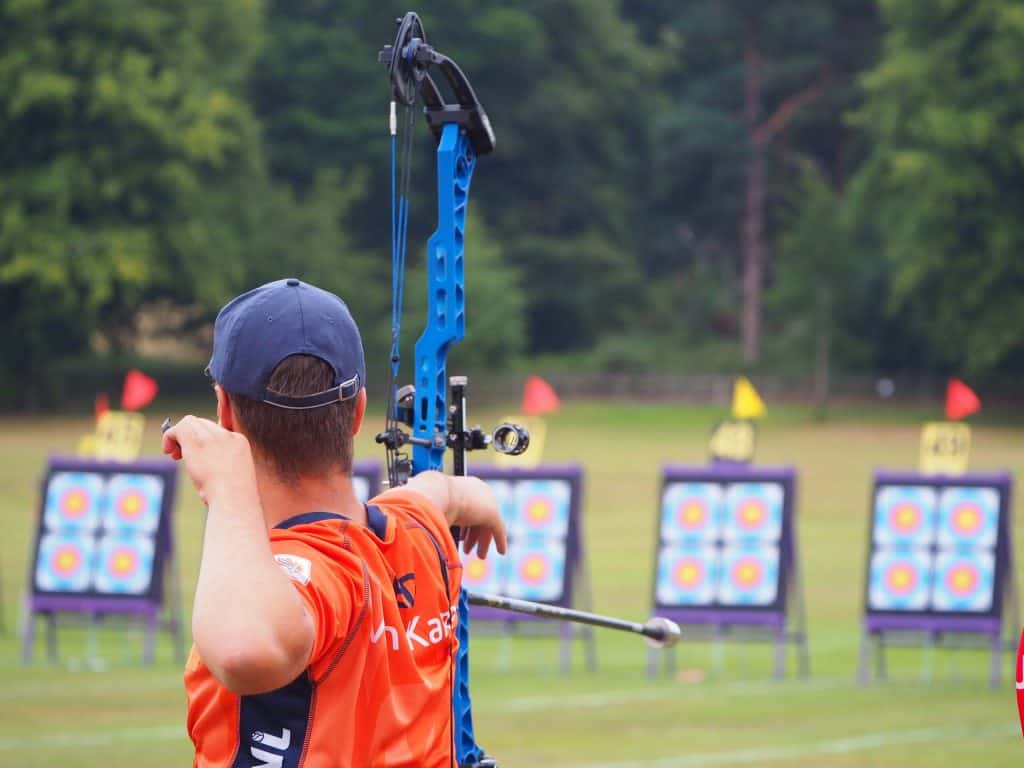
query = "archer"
x=324 y=628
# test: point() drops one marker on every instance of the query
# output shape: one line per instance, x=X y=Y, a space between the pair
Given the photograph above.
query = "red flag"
x=538 y=397
x=101 y=406
x=1019 y=680
x=139 y=390
x=960 y=400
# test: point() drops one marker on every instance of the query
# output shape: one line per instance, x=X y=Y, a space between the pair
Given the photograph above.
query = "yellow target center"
x=75 y=502
x=475 y=569
x=693 y=512
x=906 y=516
x=539 y=511
x=534 y=569
x=687 y=574
x=131 y=505
x=967 y=518
x=900 y=577
x=962 y=580
x=751 y=513
x=66 y=560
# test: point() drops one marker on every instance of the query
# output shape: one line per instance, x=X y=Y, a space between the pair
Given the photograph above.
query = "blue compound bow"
x=463 y=133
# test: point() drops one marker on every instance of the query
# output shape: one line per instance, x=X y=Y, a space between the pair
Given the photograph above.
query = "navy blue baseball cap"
x=257 y=330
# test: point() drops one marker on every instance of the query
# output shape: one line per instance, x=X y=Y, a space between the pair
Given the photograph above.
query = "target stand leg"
x=996 y=664
x=779 y=672
x=864 y=659
x=880 y=669
x=149 y=642
x=28 y=637
x=565 y=649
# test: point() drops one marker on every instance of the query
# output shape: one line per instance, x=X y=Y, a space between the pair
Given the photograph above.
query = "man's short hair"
x=314 y=441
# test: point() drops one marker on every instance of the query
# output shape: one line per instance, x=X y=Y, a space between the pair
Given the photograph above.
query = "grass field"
x=528 y=715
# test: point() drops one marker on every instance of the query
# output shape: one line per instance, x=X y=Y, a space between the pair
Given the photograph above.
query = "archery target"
x=64 y=563
x=968 y=518
x=536 y=571
x=487 y=575
x=904 y=516
x=687 y=575
x=124 y=564
x=749 y=575
x=133 y=503
x=74 y=501
x=539 y=508
x=691 y=511
x=899 y=580
x=753 y=512
x=963 y=582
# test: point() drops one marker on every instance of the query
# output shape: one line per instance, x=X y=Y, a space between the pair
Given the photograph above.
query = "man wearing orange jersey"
x=323 y=627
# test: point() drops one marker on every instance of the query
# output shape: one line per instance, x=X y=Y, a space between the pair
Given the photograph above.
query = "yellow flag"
x=746 y=403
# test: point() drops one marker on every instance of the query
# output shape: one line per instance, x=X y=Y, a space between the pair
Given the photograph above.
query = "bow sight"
x=510 y=439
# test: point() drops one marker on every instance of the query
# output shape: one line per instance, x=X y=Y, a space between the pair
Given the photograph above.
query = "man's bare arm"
x=466 y=502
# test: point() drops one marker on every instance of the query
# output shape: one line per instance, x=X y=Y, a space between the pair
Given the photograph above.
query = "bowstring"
x=400 y=199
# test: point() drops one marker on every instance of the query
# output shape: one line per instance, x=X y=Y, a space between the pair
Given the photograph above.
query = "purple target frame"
x=784 y=620
x=163 y=591
x=929 y=627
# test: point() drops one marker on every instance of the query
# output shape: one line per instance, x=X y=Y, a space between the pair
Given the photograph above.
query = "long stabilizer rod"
x=659 y=631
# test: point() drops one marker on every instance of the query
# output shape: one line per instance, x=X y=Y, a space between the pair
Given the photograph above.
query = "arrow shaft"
x=563 y=614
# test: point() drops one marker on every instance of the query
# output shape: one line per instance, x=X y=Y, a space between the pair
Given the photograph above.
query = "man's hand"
x=477 y=514
x=218 y=462
x=467 y=502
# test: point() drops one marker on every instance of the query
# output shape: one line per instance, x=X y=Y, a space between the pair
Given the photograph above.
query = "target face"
x=74 y=501
x=753 y=512
x=124 y=565
x=899 y=581
x=687 y=575
x=133 y=503
x=64 y=563
x=968 y=518
x=539 y=508
x=905 y=516
x=749 y=575
x=536 y=571
x=691 y=511
x=963 y=582
x=483 y=575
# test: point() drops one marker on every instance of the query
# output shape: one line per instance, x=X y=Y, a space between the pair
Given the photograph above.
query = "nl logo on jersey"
x=295 y=568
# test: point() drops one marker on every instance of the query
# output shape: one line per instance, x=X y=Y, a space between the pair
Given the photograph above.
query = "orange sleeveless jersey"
x=377 y=691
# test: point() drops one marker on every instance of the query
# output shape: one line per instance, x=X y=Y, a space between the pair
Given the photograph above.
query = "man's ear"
x=357 y=418
x=225 y=416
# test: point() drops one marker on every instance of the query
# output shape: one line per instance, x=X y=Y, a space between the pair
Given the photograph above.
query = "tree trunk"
x=753 y=212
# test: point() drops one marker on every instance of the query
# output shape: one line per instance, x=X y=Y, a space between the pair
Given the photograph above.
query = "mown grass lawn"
x=528 y=715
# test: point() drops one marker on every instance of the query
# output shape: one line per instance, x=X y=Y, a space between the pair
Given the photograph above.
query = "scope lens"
x=511 y=439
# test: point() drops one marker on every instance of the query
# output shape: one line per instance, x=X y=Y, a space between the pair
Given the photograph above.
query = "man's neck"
x=314 y=493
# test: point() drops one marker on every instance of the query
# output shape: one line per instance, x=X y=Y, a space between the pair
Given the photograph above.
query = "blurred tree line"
x=705 y=185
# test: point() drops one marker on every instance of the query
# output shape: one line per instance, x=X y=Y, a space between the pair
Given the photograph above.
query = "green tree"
x=118 y=119
x=942 y=188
